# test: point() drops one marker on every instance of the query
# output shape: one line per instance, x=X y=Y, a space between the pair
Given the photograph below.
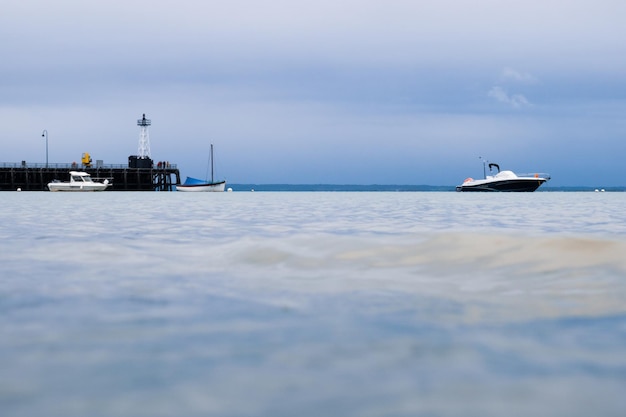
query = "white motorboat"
x=504 y=181
x=196 y=185
x=79 y=181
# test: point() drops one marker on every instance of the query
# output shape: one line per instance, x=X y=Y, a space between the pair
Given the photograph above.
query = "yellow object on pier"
x=86 y=160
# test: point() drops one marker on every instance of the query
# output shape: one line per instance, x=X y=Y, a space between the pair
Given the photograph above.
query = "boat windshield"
x=81 y=178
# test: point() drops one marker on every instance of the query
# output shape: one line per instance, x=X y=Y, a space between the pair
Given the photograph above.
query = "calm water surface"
x=309 y=304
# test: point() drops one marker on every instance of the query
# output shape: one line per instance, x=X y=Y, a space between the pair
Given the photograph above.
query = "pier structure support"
x=122 y=178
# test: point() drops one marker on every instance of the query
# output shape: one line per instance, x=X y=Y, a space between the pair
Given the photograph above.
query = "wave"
x=493 y=276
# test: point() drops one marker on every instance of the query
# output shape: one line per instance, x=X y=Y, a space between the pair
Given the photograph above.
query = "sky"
x=321 y=92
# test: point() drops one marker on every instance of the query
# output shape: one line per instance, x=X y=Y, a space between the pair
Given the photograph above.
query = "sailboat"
x=196 y=185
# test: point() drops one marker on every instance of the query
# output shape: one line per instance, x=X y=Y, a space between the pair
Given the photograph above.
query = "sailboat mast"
x=212 y=163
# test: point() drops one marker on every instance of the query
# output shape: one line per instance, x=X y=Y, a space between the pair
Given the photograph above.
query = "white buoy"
x=230 y=190
x=19 y=189
x=252 y=190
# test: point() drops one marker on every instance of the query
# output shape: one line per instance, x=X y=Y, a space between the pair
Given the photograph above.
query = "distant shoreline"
x=390 y=188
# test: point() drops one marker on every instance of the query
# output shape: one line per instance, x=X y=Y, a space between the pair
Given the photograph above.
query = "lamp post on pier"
x=45 y=134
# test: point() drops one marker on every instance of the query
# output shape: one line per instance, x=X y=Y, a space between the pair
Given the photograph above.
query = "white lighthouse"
x=144 y=138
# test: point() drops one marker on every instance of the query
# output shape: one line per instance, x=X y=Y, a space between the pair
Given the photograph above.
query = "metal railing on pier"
x=74 y=166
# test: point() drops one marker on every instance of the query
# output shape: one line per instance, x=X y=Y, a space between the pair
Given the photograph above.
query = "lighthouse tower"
x=142 y=159
x=144 y=139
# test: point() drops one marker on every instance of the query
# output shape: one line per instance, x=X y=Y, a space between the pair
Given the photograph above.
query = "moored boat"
x=79 y=181
x=196 y=185
x=504 y=181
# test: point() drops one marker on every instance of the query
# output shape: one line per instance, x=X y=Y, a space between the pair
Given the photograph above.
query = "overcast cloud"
x=363 y=92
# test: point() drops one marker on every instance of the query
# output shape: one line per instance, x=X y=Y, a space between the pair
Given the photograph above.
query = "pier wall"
x=35 y=177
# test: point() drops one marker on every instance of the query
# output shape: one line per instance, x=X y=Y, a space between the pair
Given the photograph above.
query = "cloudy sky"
x=325 y=91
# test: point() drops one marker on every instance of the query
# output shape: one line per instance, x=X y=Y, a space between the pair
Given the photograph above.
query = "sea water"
x=312 y=304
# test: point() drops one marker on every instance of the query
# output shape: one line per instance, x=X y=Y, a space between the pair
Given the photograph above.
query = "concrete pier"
x=35 y=177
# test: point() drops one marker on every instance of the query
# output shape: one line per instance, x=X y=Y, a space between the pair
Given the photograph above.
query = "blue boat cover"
x=193 y=181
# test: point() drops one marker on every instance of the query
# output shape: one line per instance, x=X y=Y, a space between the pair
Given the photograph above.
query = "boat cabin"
x=76 y=176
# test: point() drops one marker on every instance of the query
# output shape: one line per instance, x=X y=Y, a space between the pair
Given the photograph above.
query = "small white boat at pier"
x=79 y=181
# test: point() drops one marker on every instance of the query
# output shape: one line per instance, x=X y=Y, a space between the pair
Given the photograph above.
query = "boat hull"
x=208 y=187
x=79 y=182
x=509 y=185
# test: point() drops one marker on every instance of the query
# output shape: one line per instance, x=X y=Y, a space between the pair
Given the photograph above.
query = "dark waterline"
x=388 y=188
